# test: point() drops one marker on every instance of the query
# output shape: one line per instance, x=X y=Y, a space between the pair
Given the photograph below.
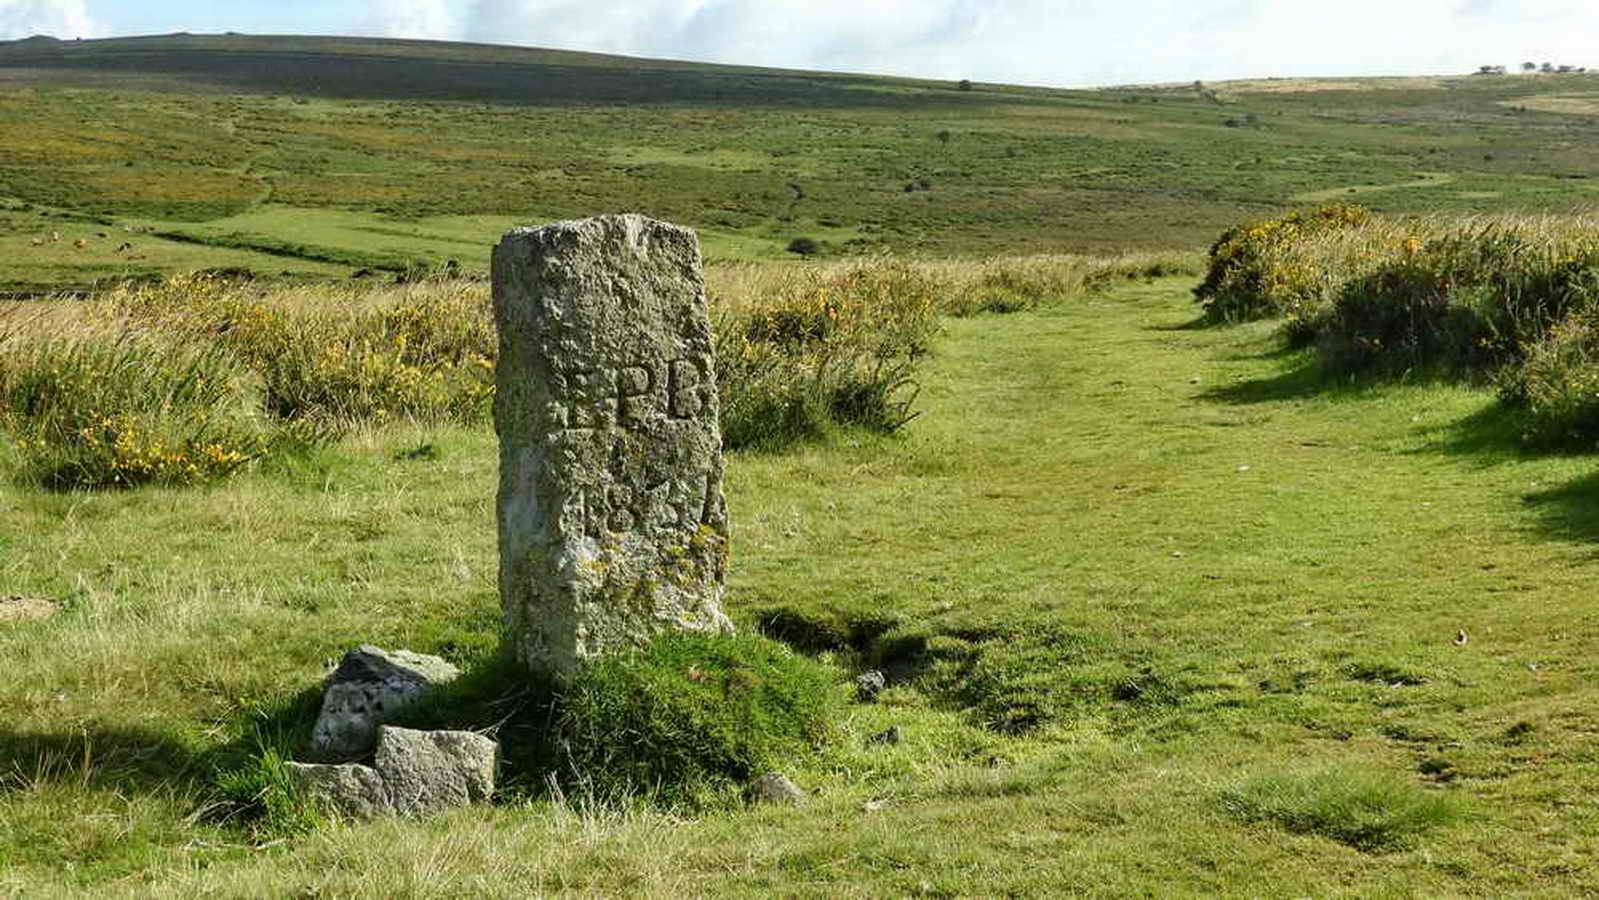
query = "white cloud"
x=422 y=19
x=1066 y=42
x=65 y=19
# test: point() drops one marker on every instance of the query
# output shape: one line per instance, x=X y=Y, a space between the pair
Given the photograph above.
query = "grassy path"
x=1167 y=558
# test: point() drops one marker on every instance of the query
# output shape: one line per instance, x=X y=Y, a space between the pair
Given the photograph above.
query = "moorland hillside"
x=323 y=156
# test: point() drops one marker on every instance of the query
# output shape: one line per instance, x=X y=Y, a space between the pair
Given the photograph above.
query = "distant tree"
x=944 y=136
x=1529 y=67
x=804 y=246
x=1546 y=68
x=966 y=84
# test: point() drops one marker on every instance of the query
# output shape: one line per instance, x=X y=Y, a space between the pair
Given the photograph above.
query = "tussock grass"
x=693 y=716
x=809 y=349
x=1368 y=810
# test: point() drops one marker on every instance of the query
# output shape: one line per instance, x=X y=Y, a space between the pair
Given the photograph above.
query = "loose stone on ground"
x=413 y=772
x=368 y=688
x=26 y=609
x=428 y=771
x=776 y=788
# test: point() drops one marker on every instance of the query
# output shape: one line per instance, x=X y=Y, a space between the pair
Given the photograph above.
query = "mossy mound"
x=691 y=715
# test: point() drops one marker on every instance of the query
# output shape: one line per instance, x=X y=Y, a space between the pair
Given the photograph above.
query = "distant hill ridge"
x=458 y=68
x=46 y=49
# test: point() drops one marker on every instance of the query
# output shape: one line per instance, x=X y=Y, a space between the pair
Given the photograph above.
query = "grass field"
x=316 y=156
x=1218 y=592
x=1164 y=609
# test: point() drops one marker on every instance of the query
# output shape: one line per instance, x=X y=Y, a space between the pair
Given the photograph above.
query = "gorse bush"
x=1506 y=300
x=120 y=406
x=1470 y=301
x=1557 y=384
x=1254 y=272
x=423 y=353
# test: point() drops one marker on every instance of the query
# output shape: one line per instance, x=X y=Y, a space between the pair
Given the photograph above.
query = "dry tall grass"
x=186 y=380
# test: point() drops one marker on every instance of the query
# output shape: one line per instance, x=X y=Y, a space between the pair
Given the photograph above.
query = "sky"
x=1064 y=43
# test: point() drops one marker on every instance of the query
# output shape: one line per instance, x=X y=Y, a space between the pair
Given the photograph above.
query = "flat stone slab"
x=351 y=790
x=612 y=522
x=369 y=687
x=413 y=773
x=26 y=609
x=428 y=771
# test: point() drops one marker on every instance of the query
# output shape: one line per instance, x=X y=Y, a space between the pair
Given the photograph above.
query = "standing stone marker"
x=612 y=523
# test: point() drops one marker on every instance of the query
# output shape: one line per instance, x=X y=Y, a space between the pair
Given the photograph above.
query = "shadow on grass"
x=130 y=759
x=1280 y=354
x=1199 y=323
x=1294 y=384
x=1492 y=435
x=1570 y=512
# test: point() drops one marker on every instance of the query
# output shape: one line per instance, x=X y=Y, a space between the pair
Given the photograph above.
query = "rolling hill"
x=316 y=156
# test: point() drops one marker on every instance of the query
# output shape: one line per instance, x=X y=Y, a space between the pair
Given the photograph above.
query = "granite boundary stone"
x=612 y=522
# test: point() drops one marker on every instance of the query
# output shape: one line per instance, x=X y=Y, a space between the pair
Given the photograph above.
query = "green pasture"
x=356 y=154
x=1164 y=609
x=1163 y=613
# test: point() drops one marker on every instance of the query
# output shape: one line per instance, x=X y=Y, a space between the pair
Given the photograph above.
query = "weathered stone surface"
x=414 y=772
x=612 y=523
x=776 y=788
x=24 y=609
x=356 y=791
x=869 y=684
x=427 y=771
x=369 y=687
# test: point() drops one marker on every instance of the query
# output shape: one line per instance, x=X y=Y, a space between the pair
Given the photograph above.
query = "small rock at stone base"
x=414 y=772
x=349 y=789
x=868 y=685
x=427 y=771
x=369 y=687
x=776 y=788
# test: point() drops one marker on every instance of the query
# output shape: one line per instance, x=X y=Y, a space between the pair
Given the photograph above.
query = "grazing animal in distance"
x=124 y=247
x=80 y=243
x=38 y=242
x=55 y=236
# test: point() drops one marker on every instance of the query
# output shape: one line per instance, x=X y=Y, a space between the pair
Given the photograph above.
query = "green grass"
x=350 y=153
x=1120 y=570
x=1162 y=609
x=1368 y=811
